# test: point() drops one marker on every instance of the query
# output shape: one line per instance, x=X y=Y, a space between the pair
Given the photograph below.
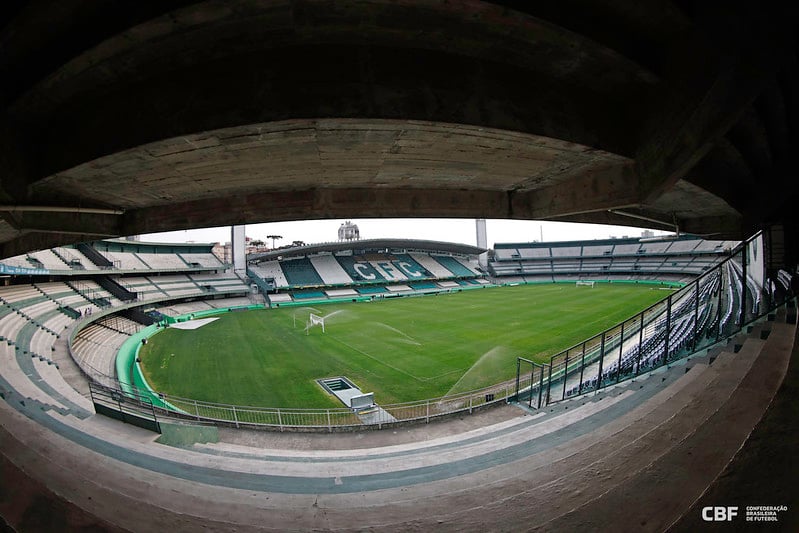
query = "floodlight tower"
x=482 y=242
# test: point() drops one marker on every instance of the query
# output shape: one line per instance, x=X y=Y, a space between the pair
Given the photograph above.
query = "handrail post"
x=667 y=340
x=621 y=352
x=532 y=380
x=601 y=361
x=718 y=306
x=744 y=253
x=549 y=385
x=696 y=318
x=565 y=375
x=518 y=370
x=582 y=369
x=640 y=346
x=540 y=385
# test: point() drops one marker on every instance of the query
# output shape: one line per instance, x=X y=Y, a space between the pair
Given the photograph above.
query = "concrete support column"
x=482 y=242
x=238 y=249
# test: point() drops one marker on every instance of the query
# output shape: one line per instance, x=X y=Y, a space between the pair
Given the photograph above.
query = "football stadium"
x=642 y=383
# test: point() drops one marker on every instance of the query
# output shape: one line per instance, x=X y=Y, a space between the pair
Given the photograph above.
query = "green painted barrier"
x=129 y=372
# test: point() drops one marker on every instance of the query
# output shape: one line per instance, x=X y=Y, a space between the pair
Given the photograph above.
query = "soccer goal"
x=585 y=284
x=315 y=320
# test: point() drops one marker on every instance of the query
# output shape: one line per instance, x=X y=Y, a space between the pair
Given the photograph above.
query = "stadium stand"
x=371 y=290
x=609 y=260
x=455 y=266
x=143 y=287
x=269 y=270
x=398 y=288
x=280 y=298
x=75 y=258
x=566 y=251
x=175 y=310
x=340 y=293
x=218 y=282
x=177 y=285
x=308 y=295
x=365 y=262
x=506 y=253
x=208 y=260
x=124 y=260
x=49 y=260
x=427 y=262
x=330 y=270
x=591 y=251
x=410 y=268
x=162 y=261
x=301 y=273
x=231 y=301
x=19 y=261
x=686 y=246
x=359 y=270
x=534 y=252
x=33 y=316
x=626 y=247
x=95 y=348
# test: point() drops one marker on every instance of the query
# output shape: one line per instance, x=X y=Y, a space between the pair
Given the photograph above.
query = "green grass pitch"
x=401 y=349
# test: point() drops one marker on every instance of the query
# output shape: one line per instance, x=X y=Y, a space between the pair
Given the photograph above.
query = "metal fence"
x=172 y=407
x=714 y=306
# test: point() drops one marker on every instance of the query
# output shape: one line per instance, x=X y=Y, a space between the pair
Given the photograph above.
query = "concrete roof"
x=369 y=244
x=143 y=117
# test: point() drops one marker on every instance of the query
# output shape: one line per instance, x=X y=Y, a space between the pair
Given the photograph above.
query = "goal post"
x=316 y=320
x=583 y=283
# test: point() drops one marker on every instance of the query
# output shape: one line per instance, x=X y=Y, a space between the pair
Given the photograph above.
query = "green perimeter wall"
x=670 y=284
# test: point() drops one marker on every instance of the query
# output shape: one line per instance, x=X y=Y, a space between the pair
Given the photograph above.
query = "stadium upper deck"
x=114 y=256
x=609 y=259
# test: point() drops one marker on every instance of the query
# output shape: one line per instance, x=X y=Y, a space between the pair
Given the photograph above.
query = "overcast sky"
x=437 y=229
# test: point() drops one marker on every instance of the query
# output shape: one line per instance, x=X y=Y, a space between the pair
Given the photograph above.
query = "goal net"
x=316 y=320
x=582 y=283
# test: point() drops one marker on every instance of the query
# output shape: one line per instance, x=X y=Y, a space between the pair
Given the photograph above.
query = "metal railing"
x=173 y=407
x=712 y=307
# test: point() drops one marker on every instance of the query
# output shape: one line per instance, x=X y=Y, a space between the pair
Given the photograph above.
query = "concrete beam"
x=312 y=204
x=40 y=240
x=69 y=222
x=595 y=190
x=716 y=227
